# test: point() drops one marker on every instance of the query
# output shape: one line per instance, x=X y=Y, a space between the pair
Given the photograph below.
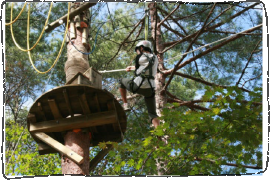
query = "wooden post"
x=77 y=140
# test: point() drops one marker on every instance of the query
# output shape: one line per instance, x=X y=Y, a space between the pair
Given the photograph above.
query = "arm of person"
x=129 y=68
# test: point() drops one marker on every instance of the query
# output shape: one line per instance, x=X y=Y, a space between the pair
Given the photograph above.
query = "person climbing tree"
x=143 y=82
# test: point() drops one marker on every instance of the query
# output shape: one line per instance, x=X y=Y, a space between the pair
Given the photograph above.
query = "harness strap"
x=148 y=77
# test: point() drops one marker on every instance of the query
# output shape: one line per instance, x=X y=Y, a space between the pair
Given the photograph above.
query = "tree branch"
x=189 y=47
x=107 y=63
x=250 y=57
x=203 y=81
x=210 y=50
x=228 y=164
x=159 y=24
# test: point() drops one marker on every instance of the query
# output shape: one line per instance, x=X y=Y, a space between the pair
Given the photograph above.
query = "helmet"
x=144 y=44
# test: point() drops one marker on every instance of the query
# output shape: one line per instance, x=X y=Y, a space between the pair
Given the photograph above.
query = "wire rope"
x=11 y=22
x=12 y=35
x=63 y=42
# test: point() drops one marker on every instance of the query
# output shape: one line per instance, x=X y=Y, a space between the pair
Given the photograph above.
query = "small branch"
x=107 y=63
x=203 y=81
x=159 y=24
x=228 y=164
x=250 y=57
x=189 y=47
x=214 y=48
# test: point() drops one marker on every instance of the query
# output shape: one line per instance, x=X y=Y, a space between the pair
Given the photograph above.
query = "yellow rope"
x=63 y=42
x=12 y=35
x=11 y=22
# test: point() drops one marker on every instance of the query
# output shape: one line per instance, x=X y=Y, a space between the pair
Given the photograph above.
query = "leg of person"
x=123 y=93
x=151 y=106
x=124 y=86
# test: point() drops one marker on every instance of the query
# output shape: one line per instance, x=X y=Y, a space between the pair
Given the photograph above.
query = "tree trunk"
x=78 y=142
x=160 y=78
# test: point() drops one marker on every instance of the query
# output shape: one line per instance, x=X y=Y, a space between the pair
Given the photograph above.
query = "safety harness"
x=144 y=75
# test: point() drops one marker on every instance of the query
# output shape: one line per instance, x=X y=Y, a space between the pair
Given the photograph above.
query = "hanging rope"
x=11 y=29
x=11 y=22
x=63 y=42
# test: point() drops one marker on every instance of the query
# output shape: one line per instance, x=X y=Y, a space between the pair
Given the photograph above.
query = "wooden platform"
x=76 y=106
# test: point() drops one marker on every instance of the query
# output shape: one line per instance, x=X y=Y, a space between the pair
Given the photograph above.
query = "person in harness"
x=143 y=82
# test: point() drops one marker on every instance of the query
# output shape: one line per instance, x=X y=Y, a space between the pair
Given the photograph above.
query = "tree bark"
x=79 y=142
x=160 y=77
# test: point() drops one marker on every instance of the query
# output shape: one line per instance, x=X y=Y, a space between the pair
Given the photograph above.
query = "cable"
x=11 y=22
x=94 y=46
x=12 y=35
x=63 y=42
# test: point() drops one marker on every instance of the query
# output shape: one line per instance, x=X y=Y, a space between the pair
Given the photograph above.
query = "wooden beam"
x=72 y=14
x=84 y=104
x=59 y=125
x=31 y=118
x=41 y=111
x=111 y=107
x=45 y=149
x=68 y=102
x=93 y=163
x=97 y=102
x=54 y=109
x=59 y=147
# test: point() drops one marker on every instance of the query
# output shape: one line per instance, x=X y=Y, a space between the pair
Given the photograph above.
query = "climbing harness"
x=145 y=76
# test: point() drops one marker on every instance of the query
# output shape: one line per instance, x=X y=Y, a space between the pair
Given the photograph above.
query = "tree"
x=210 y=99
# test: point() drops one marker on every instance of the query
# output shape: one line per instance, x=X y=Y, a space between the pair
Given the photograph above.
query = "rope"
x=63 y=42
x=94 y=46
x=12 y=35
x=116 y=70
x=206 y=45
x=11 y=22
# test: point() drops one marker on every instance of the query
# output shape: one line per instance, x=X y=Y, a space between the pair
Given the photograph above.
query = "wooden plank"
x=72 y=14
x=93 y=163
x=97 y=102
x=59 y=147
x=84 y=104
x=59 y=125
x=31 y=118
x=68 y=102
x=41 y=111
x=54 y=109
x=111 y=107
x=117 y=118
x=45 y=149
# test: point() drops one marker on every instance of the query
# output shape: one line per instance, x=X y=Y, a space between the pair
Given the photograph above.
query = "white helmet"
x=144 y=44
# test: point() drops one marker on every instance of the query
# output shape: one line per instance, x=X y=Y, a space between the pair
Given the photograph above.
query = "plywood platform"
x=77 y=106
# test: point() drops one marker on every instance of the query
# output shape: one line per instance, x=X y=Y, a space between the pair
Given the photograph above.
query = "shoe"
x=126 y=107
